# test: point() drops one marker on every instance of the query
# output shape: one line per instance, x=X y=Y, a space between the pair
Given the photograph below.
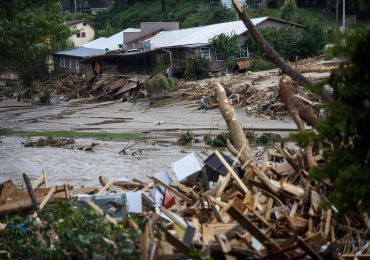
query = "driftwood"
x=32 y=195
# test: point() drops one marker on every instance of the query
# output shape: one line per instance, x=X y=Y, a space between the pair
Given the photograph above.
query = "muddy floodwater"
x=77 y=167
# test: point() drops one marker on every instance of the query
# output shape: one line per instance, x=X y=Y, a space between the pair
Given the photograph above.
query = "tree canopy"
x=29 y=30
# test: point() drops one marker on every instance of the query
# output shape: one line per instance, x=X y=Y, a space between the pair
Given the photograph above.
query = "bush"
x=217 y=141
x=159 y=84
x=289 y=10
x=197 y=67
x=266 y=138
x=291 y=42
x=261 y=65
x=186 y=138
x=81 y=234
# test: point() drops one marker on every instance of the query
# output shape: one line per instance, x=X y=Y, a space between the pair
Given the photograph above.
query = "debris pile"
x=217 y=208
x=240 y=205
x=111 y=86
x=49 y=141
x=256 y=91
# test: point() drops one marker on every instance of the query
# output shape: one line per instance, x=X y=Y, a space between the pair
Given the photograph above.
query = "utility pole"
x=344 y=16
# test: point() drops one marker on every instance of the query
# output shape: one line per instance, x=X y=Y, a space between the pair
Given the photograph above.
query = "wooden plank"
x=224 y=181
x=261 y=218
x=307 y=248
x=232 y=172
x=290 y=188
x=38 y=182
x=179 y=245
x=171 y=189
x=45 y=200
x=251 y=228
x=45 y=178
x=172 y=217
x=100 y=211
x=106 y=187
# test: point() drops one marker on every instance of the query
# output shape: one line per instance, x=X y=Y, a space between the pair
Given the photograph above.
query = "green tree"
x=346 y=127
x=227 y=46
x=29 y=31
x=289 y=10
x=197 y=67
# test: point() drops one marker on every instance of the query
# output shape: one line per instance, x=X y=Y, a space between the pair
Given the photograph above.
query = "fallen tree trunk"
x=285 y=92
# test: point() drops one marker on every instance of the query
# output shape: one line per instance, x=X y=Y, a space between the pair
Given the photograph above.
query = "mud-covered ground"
x=160 y=128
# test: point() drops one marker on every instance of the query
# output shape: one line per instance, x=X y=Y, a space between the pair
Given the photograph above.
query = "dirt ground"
x=160 y=127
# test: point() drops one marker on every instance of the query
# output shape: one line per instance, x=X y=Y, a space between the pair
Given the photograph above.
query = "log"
x=32 y=195
x=285 y=92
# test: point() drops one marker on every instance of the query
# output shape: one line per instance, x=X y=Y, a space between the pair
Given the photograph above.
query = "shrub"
x=217 y=141
x=197 y=67
x=266 y=138
x=289 y=10
x=159 y=84
x=261 y=65
x=186 y=138
x=81 y=234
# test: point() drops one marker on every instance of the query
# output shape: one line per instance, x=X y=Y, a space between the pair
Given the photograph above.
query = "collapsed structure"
x=165 y=44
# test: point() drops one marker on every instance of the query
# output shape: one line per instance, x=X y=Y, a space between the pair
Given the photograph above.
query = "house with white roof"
x=143 y=49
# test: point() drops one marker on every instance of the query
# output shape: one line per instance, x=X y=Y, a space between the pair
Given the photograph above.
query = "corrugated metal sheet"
x=81 y=52
x=199 y=35
x=111 y=42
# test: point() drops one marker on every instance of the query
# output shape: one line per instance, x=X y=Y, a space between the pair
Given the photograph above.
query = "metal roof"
x=81 y=52
x=111 y=42
x=199 y=35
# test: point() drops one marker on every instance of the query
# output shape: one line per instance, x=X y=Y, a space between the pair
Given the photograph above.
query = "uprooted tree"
x=346 y=125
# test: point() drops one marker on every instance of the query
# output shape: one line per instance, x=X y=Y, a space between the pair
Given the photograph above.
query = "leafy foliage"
x=197 y=67
x=186 y=138
x=227 y=46
x=346 y=126
x=29 y=31
x=289 y=10
x=190 y=13
x=81 y=234
x=261 y=65
x=217 y=141
x=160 y=84
x=291 y=42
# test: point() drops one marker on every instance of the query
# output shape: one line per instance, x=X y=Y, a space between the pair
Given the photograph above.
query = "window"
x=78 y=35
x=83 y=34
x=70 y=63
x=60 y=62
x=77 y=66
x=243 y=51
x=204 y=52
x=219 y=56
x=64 y=62
x=84 y=24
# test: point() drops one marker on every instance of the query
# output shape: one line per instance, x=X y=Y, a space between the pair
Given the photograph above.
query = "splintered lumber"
x=39 y=182
x=6 y=189
x=308 y=249
x=171 y=189
x=232 y=172
x=251 y=228
x=105 y=188
x=179 y=245
x=100 y=211
x=172 y=217
x=46 y=199
x=290 y=188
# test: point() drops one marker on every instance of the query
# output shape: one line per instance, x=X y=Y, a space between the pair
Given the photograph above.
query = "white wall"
x=89 y=34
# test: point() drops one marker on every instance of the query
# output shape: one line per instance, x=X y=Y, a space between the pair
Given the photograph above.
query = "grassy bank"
x=72 y=134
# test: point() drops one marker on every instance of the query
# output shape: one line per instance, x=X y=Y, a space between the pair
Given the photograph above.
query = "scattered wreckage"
x=229 y=206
